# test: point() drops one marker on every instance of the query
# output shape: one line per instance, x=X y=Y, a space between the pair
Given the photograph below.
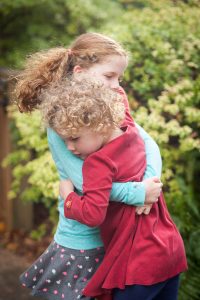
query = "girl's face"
x=85 y=142
x=109 y=71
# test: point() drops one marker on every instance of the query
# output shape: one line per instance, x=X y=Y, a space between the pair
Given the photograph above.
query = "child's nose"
x=70 y=146
x=115 y=84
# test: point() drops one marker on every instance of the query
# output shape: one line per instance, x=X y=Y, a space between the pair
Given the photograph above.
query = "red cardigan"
x=112 y=163
x=138 y=249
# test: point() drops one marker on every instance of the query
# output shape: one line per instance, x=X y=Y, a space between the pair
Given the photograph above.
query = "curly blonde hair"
x=46 y=67
x=71 y=105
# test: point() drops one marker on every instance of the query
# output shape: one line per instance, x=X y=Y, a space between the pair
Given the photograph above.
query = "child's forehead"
x=79 y=132
x=109 y=59
x=114 y=62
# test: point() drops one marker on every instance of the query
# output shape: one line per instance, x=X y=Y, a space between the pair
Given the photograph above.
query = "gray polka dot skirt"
x=62 y=273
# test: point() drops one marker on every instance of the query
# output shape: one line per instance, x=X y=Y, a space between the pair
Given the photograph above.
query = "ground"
x=17 y=252
x=12 y=266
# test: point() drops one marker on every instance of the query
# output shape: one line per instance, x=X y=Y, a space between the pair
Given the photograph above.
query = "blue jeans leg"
x=170 y=290
x=166 y=290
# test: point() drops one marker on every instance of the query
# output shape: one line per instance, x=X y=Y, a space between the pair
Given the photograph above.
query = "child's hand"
x=65 y=188
x=153 y=188
x=145 y=209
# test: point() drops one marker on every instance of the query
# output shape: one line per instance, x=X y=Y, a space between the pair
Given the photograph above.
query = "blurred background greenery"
x=162 y=82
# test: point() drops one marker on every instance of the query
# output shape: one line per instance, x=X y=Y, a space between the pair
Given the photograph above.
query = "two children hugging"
x=90 y=119
x=143 y=254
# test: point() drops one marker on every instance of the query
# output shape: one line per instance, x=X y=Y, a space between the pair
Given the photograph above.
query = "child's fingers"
x=147 y=210
x=156 y=179
x=139 y=210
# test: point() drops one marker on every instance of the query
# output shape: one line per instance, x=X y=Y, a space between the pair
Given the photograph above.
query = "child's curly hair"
x=71 y=105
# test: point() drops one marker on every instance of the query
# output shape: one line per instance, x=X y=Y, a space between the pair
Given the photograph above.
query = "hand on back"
x=153 y=188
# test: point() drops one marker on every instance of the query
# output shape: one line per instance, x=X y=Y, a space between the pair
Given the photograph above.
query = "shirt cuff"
x=138 y=194
x=69 y=205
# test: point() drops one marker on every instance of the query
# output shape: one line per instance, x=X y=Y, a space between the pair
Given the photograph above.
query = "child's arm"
x=70 y=166
x=90 y=209
x=153 y=157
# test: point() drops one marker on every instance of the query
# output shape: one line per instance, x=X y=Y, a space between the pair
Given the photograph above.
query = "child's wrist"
x=68 y=200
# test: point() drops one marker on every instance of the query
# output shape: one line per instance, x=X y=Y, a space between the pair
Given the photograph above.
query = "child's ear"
x=77 y=69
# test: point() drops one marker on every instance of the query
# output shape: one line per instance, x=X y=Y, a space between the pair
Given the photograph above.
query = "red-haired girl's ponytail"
x=40 y=70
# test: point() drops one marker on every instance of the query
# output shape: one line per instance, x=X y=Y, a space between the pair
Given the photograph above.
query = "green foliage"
x=32 y=160
x=31 y=25
x=162 y=81
x=39 y=233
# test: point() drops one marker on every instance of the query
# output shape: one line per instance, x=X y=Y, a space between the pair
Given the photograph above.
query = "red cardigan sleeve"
x=90 y=209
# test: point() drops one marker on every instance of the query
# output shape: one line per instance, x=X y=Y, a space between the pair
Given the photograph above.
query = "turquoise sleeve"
x=153 y=157
x=68 y=165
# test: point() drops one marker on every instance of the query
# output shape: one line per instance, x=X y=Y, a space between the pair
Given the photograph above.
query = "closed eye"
x=74 y=139
x=108 y=76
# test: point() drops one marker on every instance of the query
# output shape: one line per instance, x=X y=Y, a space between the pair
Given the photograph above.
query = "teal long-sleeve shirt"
x=72 y=234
